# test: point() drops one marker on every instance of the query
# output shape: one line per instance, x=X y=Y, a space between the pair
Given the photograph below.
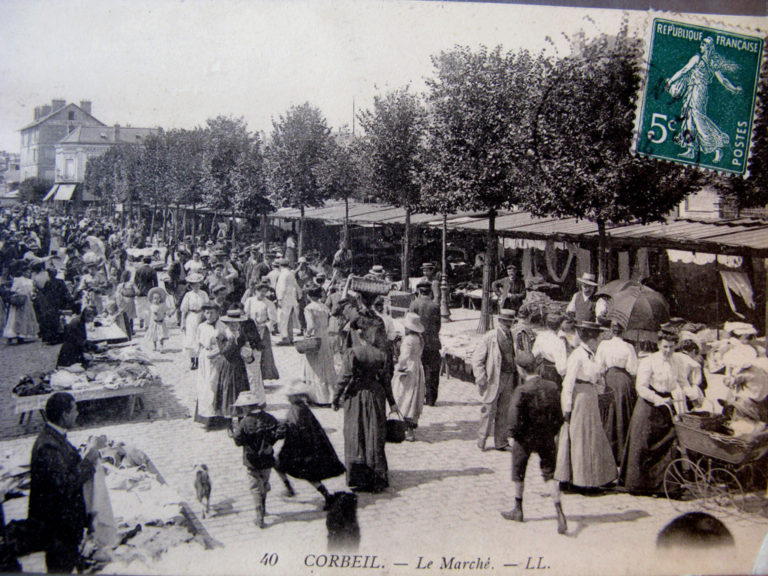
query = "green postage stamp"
x=698 y=101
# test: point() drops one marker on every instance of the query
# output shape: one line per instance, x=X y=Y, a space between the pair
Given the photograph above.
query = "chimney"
x=37 y=113
x=86 y=106
x=45 y=110
x=117 y=133
x=58 y=104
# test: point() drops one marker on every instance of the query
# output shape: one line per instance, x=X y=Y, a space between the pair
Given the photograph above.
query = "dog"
x=203 y=487
x=341 y=522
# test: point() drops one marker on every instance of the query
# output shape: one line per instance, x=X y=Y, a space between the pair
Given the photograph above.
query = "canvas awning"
x=51 y=192
x=65 y=192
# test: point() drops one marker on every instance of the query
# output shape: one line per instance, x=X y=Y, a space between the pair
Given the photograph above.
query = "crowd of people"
x=562 y=385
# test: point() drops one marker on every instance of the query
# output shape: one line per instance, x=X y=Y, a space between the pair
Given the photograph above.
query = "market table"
x=25 y=405
x=110 y=333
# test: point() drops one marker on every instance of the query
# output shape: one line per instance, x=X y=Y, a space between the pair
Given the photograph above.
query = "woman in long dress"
x=233 y=376
x=364 y=390
x=210 y=335
x=21 y=322
x=408 y=384
x=584 y=456
x=257 y=308
x=317 y=366
x=697 y=130
x=191 y=316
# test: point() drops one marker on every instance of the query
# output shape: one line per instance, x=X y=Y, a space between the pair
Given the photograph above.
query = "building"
x=9 y=172
x=51 y=124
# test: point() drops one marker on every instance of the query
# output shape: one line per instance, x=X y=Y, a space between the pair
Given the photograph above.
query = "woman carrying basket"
x=317 y=365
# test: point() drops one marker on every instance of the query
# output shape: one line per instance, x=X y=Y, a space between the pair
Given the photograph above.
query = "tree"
x=481 y=107
x=394 y=136
x=582 y=138
x=34 y=189
x=152 y=177
x=233 y=169
x=186 y=172
x=295 y=155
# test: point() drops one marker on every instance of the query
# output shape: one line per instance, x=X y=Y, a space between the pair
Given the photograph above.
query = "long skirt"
x=207 y=381
x=619 y=410
x=191 y=322
x=591 y=461
x=409 y=388
x=365 y=432
x=319 y=373
x=21 y=321
x=233 y=379
x=268 y=367
x=650 y=448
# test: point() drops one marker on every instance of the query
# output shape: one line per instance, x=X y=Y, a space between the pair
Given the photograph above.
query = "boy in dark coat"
x=256 y=431
x=535 y=418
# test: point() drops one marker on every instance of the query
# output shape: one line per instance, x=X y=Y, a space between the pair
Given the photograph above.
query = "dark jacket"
x=145 y=278
x=56 y=493
x=75 y=340
x=534 y=412
x=429 y=312
x=256 y=433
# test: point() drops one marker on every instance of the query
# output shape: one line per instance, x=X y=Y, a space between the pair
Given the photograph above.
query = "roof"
x=720 y=236
x=59 y=111
x=106 y=135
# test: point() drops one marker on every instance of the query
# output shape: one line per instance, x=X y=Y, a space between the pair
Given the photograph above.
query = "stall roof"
x=725 y=236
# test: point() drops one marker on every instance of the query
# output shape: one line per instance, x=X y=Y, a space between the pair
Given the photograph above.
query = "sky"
x=174 y=64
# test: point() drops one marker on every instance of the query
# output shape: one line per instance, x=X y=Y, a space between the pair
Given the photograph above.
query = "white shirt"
x=659 y=375
x=194 y=265
x=616 y=353
x=581 y=366
x=551 y=347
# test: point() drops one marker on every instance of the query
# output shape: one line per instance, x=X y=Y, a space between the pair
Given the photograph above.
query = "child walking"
x=157 y=331
x=256 y=431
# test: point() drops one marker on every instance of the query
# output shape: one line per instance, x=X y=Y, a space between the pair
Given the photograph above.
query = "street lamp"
x=445 y=312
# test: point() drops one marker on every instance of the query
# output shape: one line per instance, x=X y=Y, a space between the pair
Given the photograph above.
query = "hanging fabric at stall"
x=550 y=254
x=737 y=283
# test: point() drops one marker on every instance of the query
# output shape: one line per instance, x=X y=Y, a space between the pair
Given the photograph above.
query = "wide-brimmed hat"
x=740 y=328
x=157 y=291
x=319 y=280
x=302 y=260
x=413 y=323
x=588 y=279
x=210 y=305
x=250 y=398
x=234 y=315
x=217 y=288
x=427 y=265
x=377 y=269
x=297 y=387
x=588 y=325
x=506 y=316
x=195 y=277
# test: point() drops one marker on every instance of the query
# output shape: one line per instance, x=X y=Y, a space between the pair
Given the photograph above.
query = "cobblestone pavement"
x=443 y=502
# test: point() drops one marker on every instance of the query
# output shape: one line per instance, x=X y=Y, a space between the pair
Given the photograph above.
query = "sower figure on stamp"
x=493 y=364
x=535 y=418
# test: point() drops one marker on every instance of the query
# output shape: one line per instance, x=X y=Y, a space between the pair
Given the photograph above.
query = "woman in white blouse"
x=618 y=365
x=584 y=456
x=662 y=382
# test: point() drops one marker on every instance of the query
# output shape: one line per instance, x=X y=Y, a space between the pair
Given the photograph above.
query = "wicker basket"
x=369 y=285
x=704 y=420
x=308 y=345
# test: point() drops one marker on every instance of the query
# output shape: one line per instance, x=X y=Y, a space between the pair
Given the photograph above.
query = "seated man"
x=510 y=290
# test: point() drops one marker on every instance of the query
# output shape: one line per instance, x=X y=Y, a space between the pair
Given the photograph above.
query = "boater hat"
x=376 y=269
x=195 y=278
x=157 y=290
x=588 y=279
x=249 y=398
x=234 y=315
x=506 y=316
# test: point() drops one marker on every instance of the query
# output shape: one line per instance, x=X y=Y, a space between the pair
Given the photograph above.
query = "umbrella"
x=639 y=308
x=614 y=287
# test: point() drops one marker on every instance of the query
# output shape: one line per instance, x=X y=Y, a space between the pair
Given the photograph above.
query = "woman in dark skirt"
x=661 y=380
x=364 y=390
x=233 y=377
x=307 y=453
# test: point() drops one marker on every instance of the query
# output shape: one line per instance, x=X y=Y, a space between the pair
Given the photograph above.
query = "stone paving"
x=442 y=506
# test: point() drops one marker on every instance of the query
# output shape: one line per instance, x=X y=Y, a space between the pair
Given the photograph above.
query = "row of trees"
x=494 y=130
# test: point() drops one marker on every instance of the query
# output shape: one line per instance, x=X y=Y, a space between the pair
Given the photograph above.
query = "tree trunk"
x=152 y=223
x=346 y=221
x=165 y=223
x=300 y=247
x=176 y=224
x=213 y=226
x=406 y=247
x=234 y=229
x=489 y=269
x=194 y=224
x=184 y=222
x=445 y=311
x=602 y=256
x=264 y=235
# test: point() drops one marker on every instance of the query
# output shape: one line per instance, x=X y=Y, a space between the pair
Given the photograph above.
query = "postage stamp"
x=698 y=99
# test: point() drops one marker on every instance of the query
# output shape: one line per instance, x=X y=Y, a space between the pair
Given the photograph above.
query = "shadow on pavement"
x=400 y=480
x=582 y=521
x=442 y=431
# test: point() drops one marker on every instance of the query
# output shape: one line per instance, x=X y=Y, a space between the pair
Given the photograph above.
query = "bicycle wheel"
x=682 y=485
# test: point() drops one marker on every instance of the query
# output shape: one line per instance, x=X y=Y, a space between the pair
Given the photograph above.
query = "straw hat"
x=506 y=316
x=297 y=387
x=195 y=278
x=249 y=398
x=234 y=315
x=157 y=291
x=588 y=279
x=413 y=322
x=377 y=269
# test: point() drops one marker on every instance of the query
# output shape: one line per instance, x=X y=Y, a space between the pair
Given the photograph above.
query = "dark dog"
x=341 y=521
x=203 y=487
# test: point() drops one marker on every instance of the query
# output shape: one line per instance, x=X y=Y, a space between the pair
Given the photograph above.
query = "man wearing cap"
x=493 y=364
x=534 y=421
x=288 y=294
x=510 y=291
x=581 y=305
x=376 y=272
x=549 y=350
x=429 y=313
x=144 y=278
x=429 y=273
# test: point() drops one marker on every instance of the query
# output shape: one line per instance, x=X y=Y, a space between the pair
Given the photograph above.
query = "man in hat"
x=288 y=294
x=549 y=350
x=493 y=364
x=430 y=274
x=58 y=473
x=342 y=262
x=429 y=313
x=535 y=418
x=256 y=430
x=144 y=278
x=581 y=305
x=272 y=276
x=510 y=291
x=376 y=272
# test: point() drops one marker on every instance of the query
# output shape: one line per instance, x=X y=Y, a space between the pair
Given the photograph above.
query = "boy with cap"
x=535 y=418
x=256 y=430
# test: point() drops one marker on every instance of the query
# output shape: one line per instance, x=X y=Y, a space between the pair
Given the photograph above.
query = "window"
x=71 y=115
